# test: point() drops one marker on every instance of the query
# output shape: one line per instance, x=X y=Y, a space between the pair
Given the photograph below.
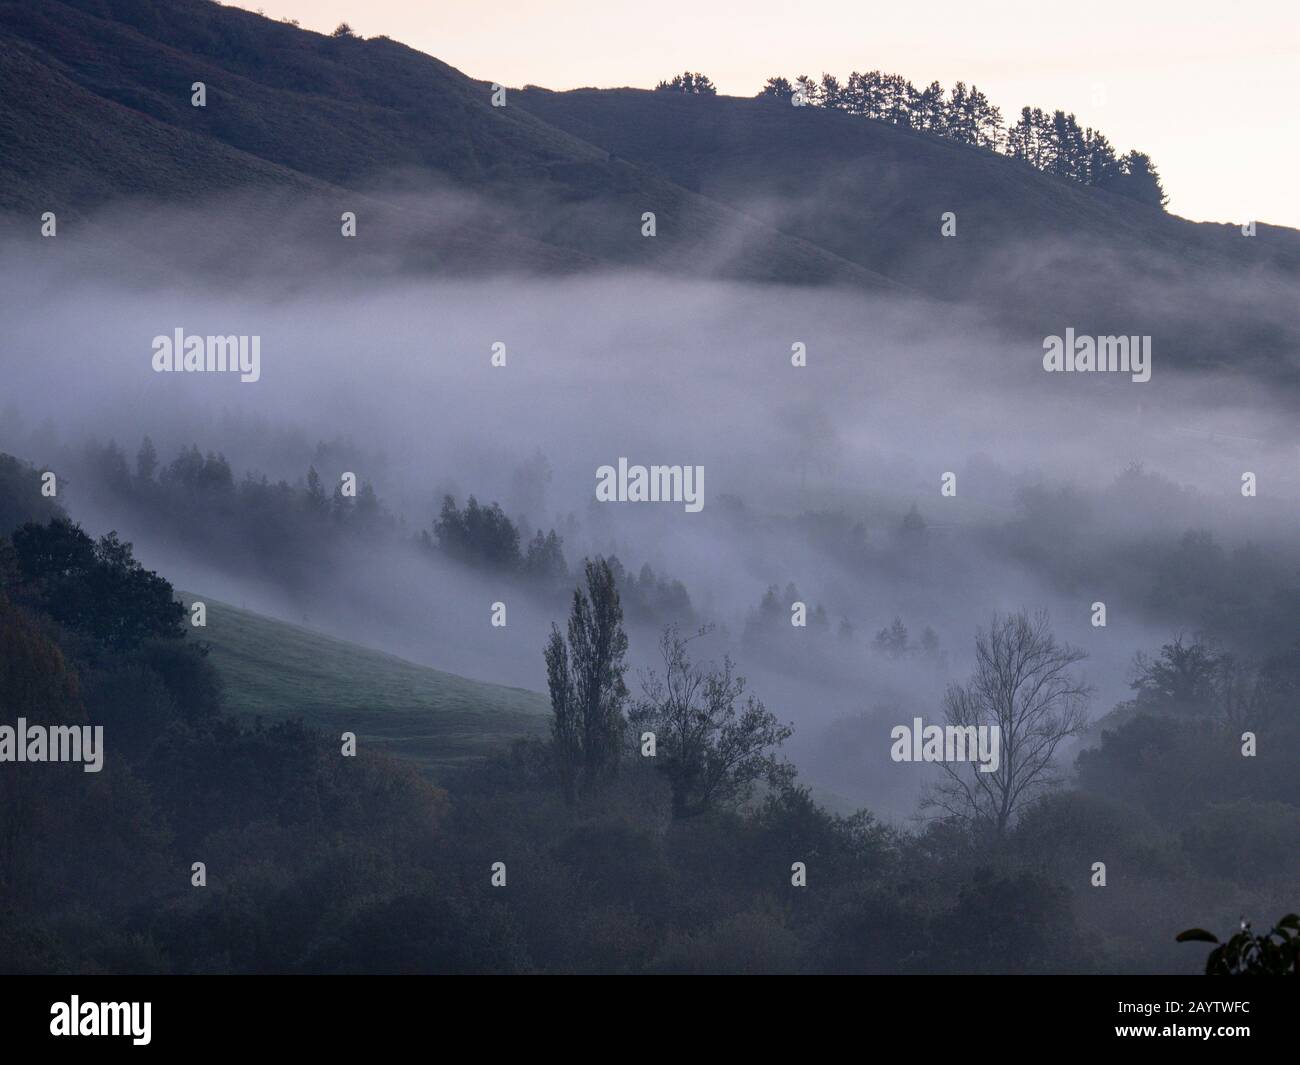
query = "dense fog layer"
x=808 y=470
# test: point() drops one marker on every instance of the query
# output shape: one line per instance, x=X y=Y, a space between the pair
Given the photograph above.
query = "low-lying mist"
x=1066 y=484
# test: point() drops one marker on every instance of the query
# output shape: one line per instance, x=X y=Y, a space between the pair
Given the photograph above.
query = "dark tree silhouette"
x=1139 y=180
x=585 y=677
x=146 y=460
x=779 y=88
x=830 y=93
x=930 y=113
x=482 y=536
x=94 y=587
x=892 y=640
x=713 y=742
x=692 y=82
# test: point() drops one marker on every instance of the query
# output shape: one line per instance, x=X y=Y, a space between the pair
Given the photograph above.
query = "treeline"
x=286 y=531
x=1243 y=596
x=1050 y=141
x=278 y=530
x=766 y=628
x=689 y=81
x=485 y=537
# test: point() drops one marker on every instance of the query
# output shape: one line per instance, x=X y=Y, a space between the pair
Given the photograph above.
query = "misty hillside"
x=280 y=671
x=299 y=126
x=98 y=109
x=868 y=190
x=1035 y=249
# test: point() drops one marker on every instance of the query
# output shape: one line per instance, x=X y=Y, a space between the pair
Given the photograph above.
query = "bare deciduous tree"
x=1024 y=684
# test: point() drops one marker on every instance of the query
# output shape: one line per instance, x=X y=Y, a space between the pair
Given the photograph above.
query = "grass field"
x=278 y=671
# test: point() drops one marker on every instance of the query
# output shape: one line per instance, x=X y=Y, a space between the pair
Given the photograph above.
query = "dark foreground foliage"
x=317 y=862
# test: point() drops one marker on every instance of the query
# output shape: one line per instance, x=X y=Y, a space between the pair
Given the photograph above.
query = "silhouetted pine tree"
x=830 y=94
x=1139 y=180
x=779 y=88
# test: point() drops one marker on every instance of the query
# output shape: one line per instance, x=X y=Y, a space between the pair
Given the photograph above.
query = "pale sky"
x=1207 y=89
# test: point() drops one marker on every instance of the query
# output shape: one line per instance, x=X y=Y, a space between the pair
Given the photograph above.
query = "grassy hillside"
x=279 y=671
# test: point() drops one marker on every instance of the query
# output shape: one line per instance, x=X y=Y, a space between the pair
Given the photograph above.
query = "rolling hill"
x=98 y=111
x=278 y=671
x=97 y=125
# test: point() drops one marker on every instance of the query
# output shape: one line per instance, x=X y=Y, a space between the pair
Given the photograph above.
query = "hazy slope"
x=301 y=127
x=277 y=671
